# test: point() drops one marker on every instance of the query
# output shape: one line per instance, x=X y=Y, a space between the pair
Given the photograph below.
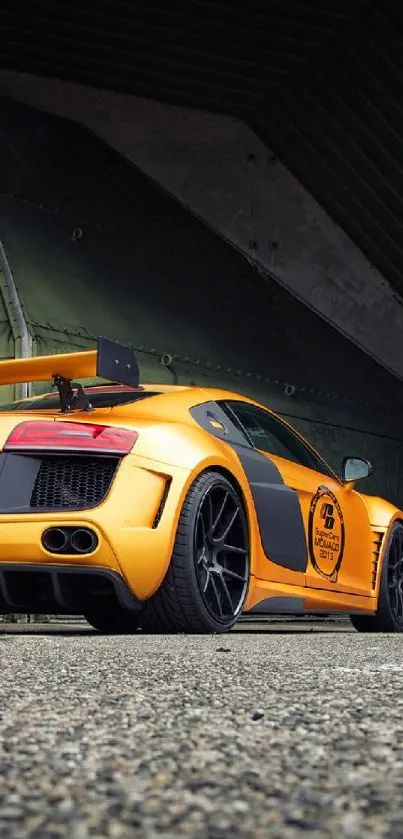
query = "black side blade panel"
x=278 y=511
x=277 y=506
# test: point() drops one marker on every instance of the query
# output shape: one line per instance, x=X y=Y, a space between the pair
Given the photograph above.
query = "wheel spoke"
x=395 y=552
x=205 y=587
x=233 y=549
x=393 y=599
x=220 y=512
x=393 y=557
x=225 y=589
x=200 y=541
x=234 y=576
x=209 y=515
x=228 y=526
x=216 y=594
x=202 y=526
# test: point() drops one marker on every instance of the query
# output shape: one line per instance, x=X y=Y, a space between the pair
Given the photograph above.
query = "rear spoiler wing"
x=110 y=360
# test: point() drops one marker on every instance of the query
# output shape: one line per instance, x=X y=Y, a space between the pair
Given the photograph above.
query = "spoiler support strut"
x=69 y=399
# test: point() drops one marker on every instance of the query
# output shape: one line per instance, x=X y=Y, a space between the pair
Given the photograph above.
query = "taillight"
x=71 y=435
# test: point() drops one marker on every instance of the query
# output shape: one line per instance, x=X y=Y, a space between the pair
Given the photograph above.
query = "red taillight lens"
x=71 y=435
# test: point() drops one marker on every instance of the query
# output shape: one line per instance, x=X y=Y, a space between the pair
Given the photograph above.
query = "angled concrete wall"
x=218 y=168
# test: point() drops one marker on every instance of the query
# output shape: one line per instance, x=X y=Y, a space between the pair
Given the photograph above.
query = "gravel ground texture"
x=260 y=734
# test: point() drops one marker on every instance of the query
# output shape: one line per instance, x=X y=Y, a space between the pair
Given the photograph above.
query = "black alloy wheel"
x=221 y=552
x=389 y=614
x=394 y=578
x=207 y=581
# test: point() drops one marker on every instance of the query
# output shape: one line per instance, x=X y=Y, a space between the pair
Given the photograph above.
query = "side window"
x=270 y=435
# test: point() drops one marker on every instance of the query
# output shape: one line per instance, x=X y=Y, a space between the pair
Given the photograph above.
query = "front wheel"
x=207 y=581
x=389 y=614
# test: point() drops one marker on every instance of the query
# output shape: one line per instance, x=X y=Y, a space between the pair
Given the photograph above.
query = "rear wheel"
x=207 y=581
x=389 y=615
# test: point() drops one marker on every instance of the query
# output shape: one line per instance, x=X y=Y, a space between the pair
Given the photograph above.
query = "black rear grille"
x=72 y=483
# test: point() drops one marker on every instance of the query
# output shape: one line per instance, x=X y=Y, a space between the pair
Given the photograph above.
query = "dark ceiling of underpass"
x=203 y=53
x=319 y=80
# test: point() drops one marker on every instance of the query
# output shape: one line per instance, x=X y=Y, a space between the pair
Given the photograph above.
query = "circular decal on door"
x=326 y=534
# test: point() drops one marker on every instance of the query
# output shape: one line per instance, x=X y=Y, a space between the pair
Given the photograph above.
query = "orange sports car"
x=177 y=509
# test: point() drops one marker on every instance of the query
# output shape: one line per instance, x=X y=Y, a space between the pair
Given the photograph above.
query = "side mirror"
x=355 y=469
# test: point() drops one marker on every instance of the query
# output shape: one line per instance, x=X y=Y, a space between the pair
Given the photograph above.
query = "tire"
x=389 y=614
x=208 y=577
x=113 y=620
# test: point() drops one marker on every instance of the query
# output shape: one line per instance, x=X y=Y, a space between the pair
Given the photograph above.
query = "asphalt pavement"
x=295 y=731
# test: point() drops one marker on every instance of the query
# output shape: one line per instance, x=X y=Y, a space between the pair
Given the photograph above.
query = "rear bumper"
x=58 y=589
x=135 y=528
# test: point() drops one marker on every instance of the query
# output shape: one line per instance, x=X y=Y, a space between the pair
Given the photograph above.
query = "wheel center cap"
x=207 y=559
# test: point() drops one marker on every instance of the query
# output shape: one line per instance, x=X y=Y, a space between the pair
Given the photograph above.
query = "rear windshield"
x=98 y=399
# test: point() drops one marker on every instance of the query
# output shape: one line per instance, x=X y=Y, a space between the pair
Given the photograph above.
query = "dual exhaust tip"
x=69 y=540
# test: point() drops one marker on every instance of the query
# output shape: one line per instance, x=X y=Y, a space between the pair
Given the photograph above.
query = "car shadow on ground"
x=269 y=628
